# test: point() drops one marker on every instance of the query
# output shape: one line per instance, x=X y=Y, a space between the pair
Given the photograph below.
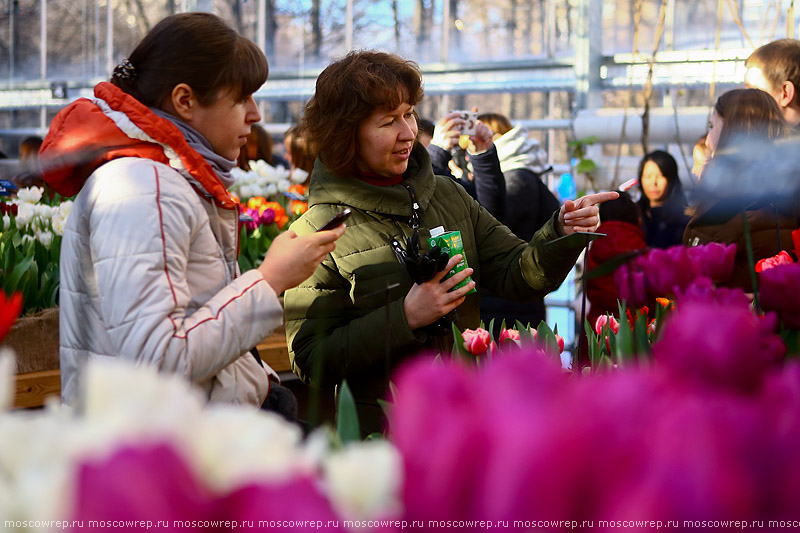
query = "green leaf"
x=525 y=333
x=624 y=348
x=585 y=166
x=546 y=338
x=459 y=348
x=346 y=416
x=19 y=270
x=640 y=335
x=593 y=343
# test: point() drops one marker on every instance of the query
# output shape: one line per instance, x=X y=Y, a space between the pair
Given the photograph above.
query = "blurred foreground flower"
x=716 y=345
x=779 y=289
x=147 y=446
x=515 y=439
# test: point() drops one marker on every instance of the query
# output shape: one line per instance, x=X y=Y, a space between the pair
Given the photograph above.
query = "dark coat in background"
x=771 y=226
x=529 y=204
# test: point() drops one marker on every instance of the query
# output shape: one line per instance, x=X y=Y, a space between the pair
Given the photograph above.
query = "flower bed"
x=705 y=430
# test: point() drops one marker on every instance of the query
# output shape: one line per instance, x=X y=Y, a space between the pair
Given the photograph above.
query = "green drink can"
x=451 y=243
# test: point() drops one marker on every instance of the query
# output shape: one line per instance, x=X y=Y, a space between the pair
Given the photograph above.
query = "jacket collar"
x=113 y=124
x=328 y=188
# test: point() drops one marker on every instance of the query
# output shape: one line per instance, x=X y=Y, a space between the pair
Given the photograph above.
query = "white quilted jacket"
x=143 y=277
x=149 y=273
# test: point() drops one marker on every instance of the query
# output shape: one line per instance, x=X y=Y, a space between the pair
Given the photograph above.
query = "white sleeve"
x=140 y=242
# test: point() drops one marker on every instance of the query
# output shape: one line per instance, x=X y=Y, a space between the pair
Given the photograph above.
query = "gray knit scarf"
x=222 y=166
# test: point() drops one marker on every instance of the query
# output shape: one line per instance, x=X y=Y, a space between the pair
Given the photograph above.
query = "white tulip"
x=364 y=480
x=30 y=195
x=25 y=214
x=44 y=237
x=44 y=212
x=299 y=175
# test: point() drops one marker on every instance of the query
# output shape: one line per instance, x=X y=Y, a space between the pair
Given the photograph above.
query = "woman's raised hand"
x=290 y=259
x=583 y=214
x=427 y=302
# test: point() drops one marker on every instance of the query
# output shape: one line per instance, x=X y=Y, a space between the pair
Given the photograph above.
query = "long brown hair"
x=297 y=148
x=347 y=92
x=749 y=115
x=197 y=49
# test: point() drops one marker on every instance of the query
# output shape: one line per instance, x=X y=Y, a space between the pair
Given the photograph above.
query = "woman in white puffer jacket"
x=149 y=255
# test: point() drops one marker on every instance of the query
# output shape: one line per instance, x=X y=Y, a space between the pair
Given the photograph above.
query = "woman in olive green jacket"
x=360 y=314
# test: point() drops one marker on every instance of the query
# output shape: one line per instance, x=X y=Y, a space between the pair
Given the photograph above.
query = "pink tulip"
x=476 y=341
x=602 y=320
x=509 y=335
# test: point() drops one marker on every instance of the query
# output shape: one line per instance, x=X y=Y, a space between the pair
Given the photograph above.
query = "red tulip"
x=782 y=258
x=10 y=309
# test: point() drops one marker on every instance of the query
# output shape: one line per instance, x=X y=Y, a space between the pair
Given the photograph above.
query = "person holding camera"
x=477 y=162
x=365 y=311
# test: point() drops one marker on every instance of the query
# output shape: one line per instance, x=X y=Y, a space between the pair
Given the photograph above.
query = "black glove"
x=282 y=401
x=421 y=267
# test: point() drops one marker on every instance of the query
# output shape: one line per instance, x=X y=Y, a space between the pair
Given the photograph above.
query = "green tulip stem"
x=751 y=263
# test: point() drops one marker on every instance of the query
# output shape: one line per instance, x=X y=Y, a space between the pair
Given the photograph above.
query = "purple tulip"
x=703 y=290
x=667 y=271
x=714 y=260
x=267 y=217
x=631 y=285
x=718 y=346
x=779 y=290
x=708 y=433
x=152 y=482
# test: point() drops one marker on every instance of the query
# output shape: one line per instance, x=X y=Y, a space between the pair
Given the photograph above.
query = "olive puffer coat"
x=342 y=320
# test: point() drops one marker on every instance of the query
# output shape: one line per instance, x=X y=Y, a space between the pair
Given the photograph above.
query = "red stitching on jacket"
x=225 y=305
x=164 y=247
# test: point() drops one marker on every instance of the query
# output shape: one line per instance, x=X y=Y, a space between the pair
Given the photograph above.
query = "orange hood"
x=90 y=132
